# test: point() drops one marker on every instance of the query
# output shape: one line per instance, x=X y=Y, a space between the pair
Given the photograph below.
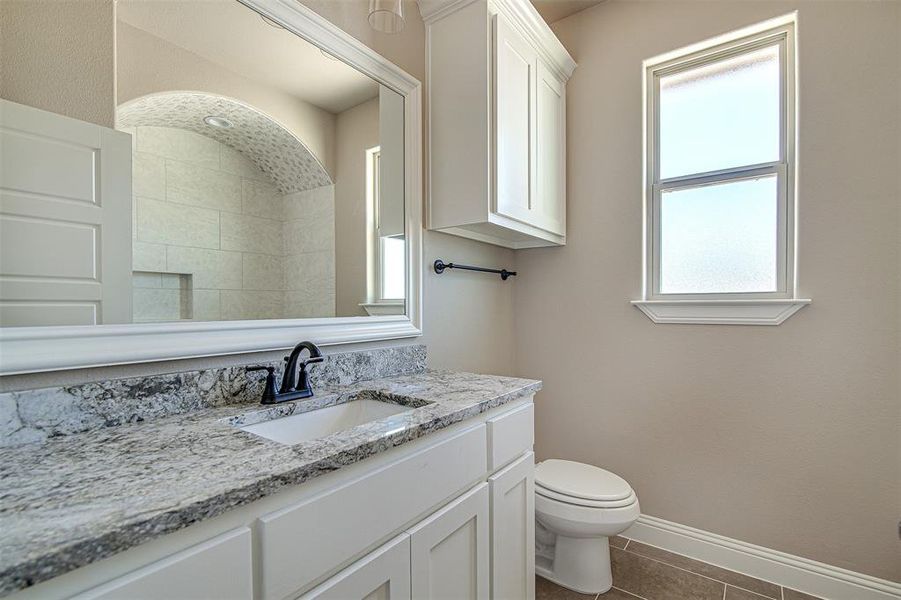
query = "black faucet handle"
x=311 y=360
x=269 y=390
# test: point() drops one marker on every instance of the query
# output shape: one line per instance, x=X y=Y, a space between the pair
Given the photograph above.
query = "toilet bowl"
x=581 y=506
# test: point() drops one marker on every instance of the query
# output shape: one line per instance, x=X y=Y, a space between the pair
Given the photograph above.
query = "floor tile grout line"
x=781 y=588
x=700 y=575
x=758 y=593
x=625 y=591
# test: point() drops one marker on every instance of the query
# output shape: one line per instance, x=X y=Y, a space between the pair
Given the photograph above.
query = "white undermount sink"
x=326 y=421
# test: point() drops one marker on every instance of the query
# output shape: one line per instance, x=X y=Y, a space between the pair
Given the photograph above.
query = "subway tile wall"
x=238 y=246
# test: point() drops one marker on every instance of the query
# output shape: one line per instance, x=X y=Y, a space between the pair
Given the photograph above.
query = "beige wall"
x=357 y=130
x=59 y=56
x=147 y=64
x=787 y=436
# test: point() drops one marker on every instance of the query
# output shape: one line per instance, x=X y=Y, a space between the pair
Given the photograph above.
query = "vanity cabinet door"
x=449 y=550
x=513 y=531
x=381 y=575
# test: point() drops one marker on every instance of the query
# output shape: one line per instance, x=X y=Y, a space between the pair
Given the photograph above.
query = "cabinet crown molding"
x=526 y=18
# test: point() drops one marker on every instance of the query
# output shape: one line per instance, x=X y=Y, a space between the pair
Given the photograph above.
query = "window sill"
x=721 y=312
x=384 y=307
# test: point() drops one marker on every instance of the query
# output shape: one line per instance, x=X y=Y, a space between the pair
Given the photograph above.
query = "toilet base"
x=580 y=564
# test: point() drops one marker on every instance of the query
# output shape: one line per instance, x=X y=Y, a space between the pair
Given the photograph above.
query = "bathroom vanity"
x=433 y=500
x=391 y=481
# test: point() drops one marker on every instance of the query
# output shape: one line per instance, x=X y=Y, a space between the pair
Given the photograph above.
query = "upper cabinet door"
x=515 y=61
x=549 y=200
x=449 y=550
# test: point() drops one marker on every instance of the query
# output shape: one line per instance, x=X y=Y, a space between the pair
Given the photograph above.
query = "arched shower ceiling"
x=273 y=148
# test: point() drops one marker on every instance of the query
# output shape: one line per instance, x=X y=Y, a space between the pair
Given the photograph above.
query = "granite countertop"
x=73 y=500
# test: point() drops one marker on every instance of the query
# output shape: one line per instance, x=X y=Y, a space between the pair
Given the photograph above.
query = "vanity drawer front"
x=218 y=568
x=509 y=435
x=303 y=542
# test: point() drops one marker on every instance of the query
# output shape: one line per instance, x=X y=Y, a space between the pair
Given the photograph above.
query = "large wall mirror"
x=260 y=184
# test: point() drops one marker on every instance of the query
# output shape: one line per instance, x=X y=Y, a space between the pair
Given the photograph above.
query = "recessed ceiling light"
x=220 y=122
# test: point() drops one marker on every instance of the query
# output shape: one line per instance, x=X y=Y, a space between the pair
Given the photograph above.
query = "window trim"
x=730 y=307
x=375 y=302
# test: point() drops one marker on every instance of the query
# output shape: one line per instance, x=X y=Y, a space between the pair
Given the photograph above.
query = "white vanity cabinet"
x=497 y=123
x=449 y=515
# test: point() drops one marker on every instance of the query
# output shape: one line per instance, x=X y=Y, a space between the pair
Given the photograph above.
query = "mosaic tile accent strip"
x=274 y=149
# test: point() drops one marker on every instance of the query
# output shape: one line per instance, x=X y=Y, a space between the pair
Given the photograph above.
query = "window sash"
x=782 y=168
x=382 y=295
x=729 y=176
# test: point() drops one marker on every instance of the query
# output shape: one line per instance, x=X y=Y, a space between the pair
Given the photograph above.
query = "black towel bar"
x=440 y=266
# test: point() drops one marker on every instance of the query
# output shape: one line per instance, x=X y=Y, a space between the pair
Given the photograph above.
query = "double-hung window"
x=386 y=253
x=720 y=180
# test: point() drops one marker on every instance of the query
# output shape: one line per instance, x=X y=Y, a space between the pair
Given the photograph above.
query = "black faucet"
x=295 y=386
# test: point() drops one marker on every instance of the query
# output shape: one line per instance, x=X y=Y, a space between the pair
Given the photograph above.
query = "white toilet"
x=581 y=506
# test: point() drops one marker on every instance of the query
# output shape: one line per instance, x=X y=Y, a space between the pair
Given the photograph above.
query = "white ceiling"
x=554 y=10
x=235 y=37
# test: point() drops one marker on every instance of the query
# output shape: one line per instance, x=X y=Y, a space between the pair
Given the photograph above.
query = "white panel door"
x=513 y=531
x=549 y=200
x=219 y=568
x=65 y=220
x=514 y=97
x=380 y=575
x=449 y=550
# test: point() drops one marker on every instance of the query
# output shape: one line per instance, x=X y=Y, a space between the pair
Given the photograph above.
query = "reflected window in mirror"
x=386 y=256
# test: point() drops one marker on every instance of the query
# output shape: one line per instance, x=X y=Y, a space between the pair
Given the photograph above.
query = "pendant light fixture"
x=386 y=16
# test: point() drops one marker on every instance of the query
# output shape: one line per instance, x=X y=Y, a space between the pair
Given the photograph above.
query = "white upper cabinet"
x=497 y=123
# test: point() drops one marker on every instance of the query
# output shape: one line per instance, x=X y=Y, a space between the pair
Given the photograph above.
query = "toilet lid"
x=578 y=480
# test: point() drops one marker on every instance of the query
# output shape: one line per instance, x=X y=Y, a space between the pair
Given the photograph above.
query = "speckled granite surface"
x=35 y=415
x=71 y=500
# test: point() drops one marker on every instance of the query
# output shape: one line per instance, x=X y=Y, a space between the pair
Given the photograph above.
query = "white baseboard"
x=777 y=567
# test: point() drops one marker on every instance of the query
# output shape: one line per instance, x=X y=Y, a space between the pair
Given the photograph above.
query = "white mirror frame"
x=35 y=349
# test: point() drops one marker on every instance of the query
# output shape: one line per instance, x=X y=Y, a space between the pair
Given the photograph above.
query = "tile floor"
x=642 y=572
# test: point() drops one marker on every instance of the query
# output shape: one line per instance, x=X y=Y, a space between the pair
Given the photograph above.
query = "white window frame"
x=376 y=303
x=760 y=308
